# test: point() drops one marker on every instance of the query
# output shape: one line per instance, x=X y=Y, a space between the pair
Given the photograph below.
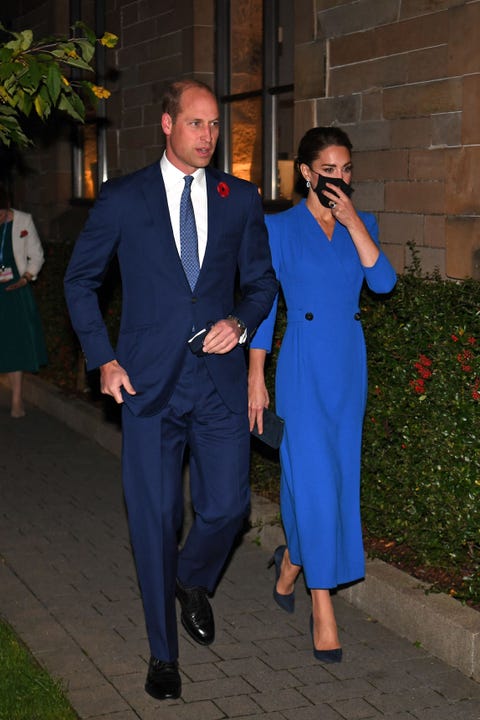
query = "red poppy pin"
x=223 y=189
x=24 y=233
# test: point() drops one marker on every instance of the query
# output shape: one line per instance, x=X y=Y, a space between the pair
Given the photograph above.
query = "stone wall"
x=403 y=78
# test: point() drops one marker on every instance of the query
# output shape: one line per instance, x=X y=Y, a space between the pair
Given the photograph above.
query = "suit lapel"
x=215 y=215
x=153 y=189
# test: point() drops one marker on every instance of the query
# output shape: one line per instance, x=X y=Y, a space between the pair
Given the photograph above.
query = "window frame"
x=270 y=92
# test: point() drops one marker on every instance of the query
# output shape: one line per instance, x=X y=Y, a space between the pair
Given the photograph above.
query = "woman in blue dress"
x=323 y=250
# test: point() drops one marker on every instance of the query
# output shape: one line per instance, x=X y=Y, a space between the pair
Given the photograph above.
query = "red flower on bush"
x=223 y=189
x=476 y=390
x=418 y=385
x=24 y=233
x=422 y=367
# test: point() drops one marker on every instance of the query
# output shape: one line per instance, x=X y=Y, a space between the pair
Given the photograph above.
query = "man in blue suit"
x=174 y=394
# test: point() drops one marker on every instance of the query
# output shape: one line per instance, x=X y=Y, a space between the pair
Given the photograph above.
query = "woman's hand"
x=344 y=211
x=341 y=206
x=21 y=282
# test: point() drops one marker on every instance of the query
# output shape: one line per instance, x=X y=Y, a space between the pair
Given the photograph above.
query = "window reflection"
x=247 y=140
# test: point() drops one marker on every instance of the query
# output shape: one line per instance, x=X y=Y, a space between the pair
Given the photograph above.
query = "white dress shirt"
x=173 y=179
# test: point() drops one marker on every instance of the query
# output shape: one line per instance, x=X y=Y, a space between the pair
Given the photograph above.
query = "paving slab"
x=69 y=589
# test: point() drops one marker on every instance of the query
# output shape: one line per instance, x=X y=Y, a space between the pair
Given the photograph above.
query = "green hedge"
x=421 y=450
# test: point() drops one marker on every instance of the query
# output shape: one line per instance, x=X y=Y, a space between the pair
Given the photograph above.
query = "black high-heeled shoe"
x=325 y=656
x=286 y=602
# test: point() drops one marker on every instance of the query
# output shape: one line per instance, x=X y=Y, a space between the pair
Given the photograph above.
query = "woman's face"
x=333 y=161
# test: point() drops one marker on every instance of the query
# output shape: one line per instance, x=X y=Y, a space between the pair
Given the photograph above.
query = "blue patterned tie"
x=188 y=235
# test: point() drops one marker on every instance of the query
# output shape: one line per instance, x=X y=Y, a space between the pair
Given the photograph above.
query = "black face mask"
x=322 y=185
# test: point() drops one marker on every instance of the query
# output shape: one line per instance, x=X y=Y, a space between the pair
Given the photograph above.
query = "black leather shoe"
x=197 y=615
x=163 y=680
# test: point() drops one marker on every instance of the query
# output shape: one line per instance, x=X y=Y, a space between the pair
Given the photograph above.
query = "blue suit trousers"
x=153 y=458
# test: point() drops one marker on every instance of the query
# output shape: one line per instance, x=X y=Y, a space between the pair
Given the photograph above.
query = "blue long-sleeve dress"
x=321 y=389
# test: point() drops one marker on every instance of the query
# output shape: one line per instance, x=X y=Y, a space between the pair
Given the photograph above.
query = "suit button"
x=357 y=316
x=309 y=316
x=194 y=299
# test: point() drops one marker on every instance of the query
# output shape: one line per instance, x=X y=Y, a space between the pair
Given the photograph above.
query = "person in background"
x=181 y=231
x=22 y=348
x=323 y=250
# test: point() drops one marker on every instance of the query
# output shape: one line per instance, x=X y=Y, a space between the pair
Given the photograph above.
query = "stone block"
x=432 y=260
x=434 y=231
x=304 y=21
x=389 y=39
x=370 y=74
x=423 y=99
x=397 y=228
x=426 y=165
x=447 y=129
x=415 y=197
x=463 y=247
x=429 y=64
x=309 y=70
x=305 y=117
x=138 y=32
x=396 y=255
x=471 y=110
x=129 y=15
x=373 y=135
x=204 y=49
x=372 y=106
x=203 y=12
x=140 y=95
x=463 y=54
x=342 y=19
x=414 y=8
x=463 y=181
x=411 y=133
x=339 y=110
x=369 y=196
x=381 y=165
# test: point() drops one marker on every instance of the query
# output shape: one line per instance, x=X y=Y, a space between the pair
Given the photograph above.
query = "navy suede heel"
x=286 y=602
x=325 y=656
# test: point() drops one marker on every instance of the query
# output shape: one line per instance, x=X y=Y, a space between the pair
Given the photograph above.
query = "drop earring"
x=308 y=184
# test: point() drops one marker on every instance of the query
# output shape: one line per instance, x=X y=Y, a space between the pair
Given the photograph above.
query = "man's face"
x=192 y=138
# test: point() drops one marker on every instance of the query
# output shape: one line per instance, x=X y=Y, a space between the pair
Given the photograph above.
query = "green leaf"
x=24 y=102
x=77 y=62
x=87 y=50
x=54 y=82
x=46 y=101
x=90 y=35
x=68 y=107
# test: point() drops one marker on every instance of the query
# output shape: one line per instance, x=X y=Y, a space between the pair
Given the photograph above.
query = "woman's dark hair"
x=317 y=139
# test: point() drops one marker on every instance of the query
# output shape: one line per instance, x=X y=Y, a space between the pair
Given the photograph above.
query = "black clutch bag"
x=272 y=429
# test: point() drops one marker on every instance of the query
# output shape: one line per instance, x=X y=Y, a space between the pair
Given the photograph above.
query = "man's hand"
x=223 y=337
x=112 y=378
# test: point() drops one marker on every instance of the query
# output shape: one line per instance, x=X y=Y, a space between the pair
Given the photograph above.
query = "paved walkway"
x=68 y=587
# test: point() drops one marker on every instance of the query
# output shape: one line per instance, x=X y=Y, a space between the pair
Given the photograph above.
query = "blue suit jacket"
x=131 y=219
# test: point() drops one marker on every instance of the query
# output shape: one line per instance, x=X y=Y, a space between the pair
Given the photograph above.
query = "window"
x=89 y=159
x=254 y=79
